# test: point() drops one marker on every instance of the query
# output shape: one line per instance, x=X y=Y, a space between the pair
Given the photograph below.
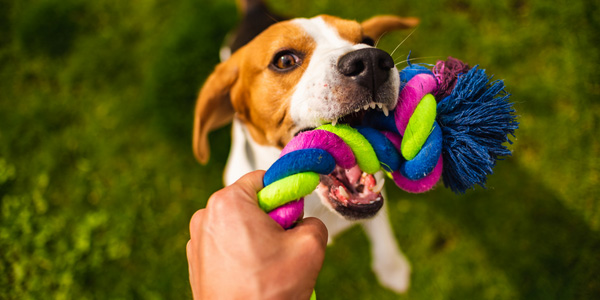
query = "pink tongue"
x=353 y=174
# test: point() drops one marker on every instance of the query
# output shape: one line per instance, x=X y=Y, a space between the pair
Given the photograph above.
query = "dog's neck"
x=246 y=155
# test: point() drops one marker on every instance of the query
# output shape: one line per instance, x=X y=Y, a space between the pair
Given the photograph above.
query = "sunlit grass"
x=98 y=180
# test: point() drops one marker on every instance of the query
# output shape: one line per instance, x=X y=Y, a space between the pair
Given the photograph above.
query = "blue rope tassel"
x=476 y=119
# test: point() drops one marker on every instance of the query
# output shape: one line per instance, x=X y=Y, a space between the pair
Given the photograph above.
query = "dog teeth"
x=334 y=122
x=373 y=105
x=343 y=192
x=377 y=188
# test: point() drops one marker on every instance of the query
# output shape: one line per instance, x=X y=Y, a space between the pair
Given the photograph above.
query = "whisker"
x=379 y=39
x=391 y=54
x=272 y=18
x=416 y=58
x=422 y=57
x=302 y=67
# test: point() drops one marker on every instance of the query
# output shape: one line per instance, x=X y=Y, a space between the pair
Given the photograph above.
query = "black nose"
x=369 y=67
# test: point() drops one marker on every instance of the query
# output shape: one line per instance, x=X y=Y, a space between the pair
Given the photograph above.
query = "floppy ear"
x=376 y=26
x=213 y=107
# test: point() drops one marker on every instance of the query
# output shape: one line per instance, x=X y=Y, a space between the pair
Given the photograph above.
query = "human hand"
x=237 y=251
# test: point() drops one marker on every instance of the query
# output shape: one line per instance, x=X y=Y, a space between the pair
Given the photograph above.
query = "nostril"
x=355 y=68
x=351 y=67
x=386 y=62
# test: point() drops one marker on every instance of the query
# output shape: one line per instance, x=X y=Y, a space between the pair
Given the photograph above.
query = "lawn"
x=98 y=180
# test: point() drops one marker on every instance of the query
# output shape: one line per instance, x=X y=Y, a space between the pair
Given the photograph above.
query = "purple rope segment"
x=325 y=140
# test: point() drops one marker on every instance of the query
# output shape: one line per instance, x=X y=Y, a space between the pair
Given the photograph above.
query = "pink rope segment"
x=287 y=214
x=410 y=96
x=325 y=140
x=422 y=185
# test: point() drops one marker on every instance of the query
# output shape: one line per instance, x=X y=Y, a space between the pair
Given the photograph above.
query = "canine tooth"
x=372 y=105
x=377 y=188
x=334 y=122
x=380 y=105
x=357 y=110
x=343 y=192
x=386 y=112
x=366 y=107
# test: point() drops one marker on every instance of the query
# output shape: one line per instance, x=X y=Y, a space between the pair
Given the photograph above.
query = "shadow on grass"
x=546 y=250
x=521 y=228
x=50 y=28
x=187 y=55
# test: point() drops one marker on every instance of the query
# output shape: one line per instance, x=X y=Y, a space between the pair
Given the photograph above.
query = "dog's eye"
x=285 y=60
x=367 y=40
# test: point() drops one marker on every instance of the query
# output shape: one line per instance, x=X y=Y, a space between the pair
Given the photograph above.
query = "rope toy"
x=450 y=122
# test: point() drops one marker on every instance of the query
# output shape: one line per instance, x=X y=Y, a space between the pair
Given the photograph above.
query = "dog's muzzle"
x=369 y=67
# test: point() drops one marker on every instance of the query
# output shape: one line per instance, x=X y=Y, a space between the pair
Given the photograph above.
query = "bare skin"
x=236 y=251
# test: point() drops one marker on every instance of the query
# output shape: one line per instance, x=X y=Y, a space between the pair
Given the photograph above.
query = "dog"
x=282 y=78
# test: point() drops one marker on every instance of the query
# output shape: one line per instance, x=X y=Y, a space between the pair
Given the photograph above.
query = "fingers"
x=189 y=252
x=313 y=229
x=242 y=191
x=192 y=262
x=196 y=223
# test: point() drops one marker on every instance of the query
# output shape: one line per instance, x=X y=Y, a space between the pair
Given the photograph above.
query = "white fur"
x=309 y=108
x=312 y=101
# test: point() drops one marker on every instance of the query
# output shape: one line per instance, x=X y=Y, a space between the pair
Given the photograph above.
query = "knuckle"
x=220 y=201
x=314 y=240
x=196 y=222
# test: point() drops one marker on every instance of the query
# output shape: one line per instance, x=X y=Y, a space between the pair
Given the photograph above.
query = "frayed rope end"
x=476 y=119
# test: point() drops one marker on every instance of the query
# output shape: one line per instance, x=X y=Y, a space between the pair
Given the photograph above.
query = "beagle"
x=294 y=76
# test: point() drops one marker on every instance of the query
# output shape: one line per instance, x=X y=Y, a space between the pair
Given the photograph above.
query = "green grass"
x=98 y=180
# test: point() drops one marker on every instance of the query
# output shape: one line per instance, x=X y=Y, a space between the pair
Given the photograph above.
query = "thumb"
x=250 y=184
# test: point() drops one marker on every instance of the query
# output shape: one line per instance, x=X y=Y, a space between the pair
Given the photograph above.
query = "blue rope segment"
x=411 y=71
x=377 y=120
x=304 y=160
x=385 y=151
x=427 y=158
x=476 y=119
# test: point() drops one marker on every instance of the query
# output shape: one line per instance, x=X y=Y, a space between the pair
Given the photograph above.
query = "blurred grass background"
x=98 y=180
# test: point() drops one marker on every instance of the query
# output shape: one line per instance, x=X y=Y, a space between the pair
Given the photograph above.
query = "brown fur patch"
x=261 y=96
x=377 y=26
x=347 y=29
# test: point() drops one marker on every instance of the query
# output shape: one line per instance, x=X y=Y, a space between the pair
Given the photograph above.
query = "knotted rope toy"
x=450 y=122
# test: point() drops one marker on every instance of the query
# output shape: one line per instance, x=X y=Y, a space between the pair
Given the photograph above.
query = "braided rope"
x=296 y=173
x=407 y=144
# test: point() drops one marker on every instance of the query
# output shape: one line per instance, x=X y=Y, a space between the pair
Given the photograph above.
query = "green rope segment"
x=287 y=189
x=419 y=127
x=363 y=151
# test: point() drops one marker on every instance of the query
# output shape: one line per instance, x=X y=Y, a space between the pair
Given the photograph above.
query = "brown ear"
x=376 y=26
x=213 y=107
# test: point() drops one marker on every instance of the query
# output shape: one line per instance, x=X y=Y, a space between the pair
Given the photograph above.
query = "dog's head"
x=297 y=75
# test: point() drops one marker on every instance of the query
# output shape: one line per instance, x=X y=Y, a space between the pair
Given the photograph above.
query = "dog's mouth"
x=353 y=193
x=355 y=115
